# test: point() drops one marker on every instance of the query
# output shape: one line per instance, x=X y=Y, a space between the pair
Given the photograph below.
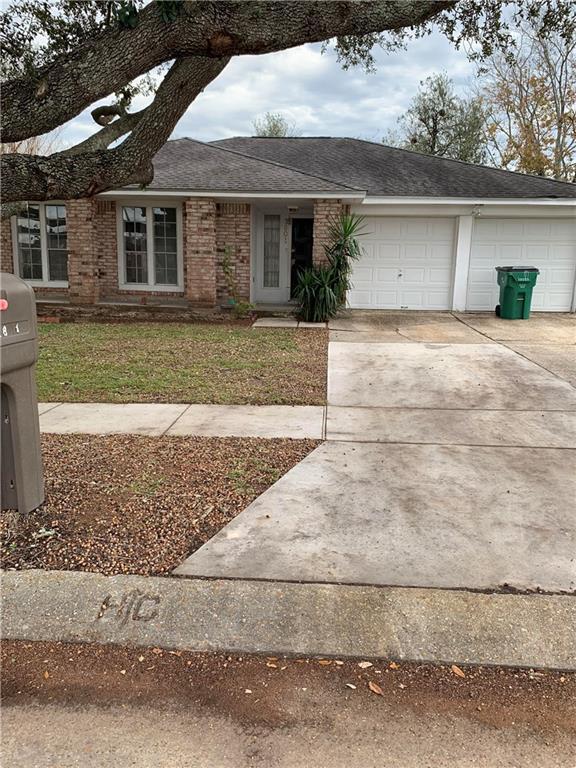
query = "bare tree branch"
x=105 y=64
x=108 y=135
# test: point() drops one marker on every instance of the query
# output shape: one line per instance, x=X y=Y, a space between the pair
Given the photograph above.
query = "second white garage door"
x=549 y=244
x=407 y=264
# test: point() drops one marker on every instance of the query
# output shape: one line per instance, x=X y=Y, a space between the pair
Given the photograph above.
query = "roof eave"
x=428 y=200
x=346 y=194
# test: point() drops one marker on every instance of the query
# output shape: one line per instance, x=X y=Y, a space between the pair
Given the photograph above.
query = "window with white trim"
x=150 y=252
x=41 y=243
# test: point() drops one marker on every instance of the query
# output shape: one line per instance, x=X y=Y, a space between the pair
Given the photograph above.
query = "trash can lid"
x=517 y=269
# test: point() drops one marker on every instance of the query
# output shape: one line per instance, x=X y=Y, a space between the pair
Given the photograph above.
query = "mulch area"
x=277 y=691
x=131 y=504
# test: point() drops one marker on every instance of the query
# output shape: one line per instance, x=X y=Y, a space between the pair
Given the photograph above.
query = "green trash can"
x=516 y=286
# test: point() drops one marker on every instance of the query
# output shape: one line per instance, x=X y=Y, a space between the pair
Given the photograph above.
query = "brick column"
x=6 y=253
x=324 y=212
x=200 y=250
x=82 y=251
x=233 y=222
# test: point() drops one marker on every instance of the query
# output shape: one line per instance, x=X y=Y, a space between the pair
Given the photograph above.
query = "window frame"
x=148 y=205
x=45 y=282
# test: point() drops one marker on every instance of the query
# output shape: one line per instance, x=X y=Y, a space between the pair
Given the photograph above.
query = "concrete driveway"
x=449 y=463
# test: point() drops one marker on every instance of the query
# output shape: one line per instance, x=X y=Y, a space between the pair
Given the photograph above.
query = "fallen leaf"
x=457 y=671
x=140 y=658
x=157 y=651
x=247 y=690
x=122 y=671
x=46 y=675
x=325 y=662
x=375 y=688
x=271 y=664
x=365 y=664
x=338 y=663
x=402 y=686
x=393 y=665
x=349 y=685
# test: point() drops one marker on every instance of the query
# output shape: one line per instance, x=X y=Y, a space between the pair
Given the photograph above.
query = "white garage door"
x=407 y=264
x=549 y=244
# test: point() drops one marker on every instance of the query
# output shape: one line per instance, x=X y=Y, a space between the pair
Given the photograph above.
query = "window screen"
x=165 y=251
x=135 y=245
x=29 y=243
x=57 y=242
x=271 y=251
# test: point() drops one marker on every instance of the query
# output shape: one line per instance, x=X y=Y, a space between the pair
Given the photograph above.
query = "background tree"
x=530 y=104
x=438 y=122
x=61 y=57
x=274 y=124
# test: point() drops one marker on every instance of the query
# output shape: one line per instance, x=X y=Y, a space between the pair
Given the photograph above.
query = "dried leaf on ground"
x=375 y=688
x=457 y=671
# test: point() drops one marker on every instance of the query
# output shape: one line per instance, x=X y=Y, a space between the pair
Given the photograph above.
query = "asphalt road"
x=90 y=706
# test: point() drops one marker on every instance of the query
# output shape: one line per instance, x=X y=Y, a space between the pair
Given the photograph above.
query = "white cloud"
x=313 y=91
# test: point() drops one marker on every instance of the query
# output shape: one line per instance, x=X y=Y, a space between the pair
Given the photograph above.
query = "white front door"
x=407 y=264
x=549 y=244
x=272 y=264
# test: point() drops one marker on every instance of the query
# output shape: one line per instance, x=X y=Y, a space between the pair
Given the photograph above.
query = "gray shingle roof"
x=382 y=170
x=193 y=165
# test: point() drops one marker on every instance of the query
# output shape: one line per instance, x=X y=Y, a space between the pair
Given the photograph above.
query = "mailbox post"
x=22 y=484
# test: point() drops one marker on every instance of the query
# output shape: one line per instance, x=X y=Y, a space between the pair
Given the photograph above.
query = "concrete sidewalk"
x=156 y=419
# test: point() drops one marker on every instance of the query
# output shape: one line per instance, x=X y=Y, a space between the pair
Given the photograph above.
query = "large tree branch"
x=104 y=65
x=69 y=175
x=109 y=134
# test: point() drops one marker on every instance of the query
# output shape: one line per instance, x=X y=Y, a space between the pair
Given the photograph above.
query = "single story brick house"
x=434 y=229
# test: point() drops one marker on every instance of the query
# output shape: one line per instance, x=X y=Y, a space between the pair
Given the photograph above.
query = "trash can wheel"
x=497 y=310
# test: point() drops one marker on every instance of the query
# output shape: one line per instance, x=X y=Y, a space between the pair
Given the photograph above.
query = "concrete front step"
x=535 y=631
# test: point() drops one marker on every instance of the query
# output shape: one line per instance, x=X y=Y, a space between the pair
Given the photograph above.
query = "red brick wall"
x=84 y=287
x=199 y=216
x=209 y=230
x=324 y=212
x=106 y=247
x=6 y=253
x=233 y=222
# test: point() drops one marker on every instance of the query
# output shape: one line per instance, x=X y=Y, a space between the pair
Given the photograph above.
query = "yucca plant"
x=321 y=290
x=315 y=294
x=343 y=248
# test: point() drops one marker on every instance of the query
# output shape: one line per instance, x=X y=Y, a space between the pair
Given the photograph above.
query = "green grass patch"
x=187 y=363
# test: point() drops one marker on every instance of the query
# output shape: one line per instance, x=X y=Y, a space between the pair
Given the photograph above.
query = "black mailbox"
x=21 y=459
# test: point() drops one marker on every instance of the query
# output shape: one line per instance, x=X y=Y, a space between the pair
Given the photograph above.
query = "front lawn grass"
x=181 y=363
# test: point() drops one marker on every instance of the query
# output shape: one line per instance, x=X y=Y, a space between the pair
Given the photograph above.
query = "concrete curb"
x=410 y=624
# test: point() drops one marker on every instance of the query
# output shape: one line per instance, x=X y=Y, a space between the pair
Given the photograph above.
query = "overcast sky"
x=311 y=90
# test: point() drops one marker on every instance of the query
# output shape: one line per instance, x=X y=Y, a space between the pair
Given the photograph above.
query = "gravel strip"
x=131 y=504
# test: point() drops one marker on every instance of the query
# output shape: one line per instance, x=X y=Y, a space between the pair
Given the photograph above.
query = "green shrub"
x=315 y=294
x=321 y=290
